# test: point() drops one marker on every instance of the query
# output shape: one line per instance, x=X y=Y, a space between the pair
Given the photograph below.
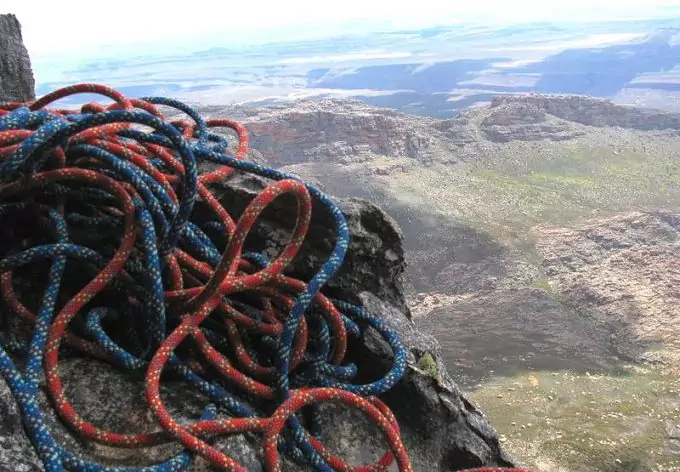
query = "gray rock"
x=375 y=263
x=520 y=121
x=16 y=77
x=442 y=429
x=509 y=270
x=350 y=134
x=15 y=447
x=112 y=400
x=339 y=131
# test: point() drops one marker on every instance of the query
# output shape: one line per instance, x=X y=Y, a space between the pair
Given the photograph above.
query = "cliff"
x=16 y=77
x=538 y=237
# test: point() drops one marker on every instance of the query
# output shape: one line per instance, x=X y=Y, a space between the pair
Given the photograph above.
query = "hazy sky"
x=64 y=27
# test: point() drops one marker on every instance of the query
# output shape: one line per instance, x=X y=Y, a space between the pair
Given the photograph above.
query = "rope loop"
x=103 y=251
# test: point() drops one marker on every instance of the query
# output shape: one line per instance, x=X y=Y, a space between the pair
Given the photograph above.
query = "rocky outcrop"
x=345 y=131
x=510 y=330
x=592 y=111
x=16 y=77
x=509 y=269
x=606 y=292
x=340 y=131
x=519 y=121
x=442 y=430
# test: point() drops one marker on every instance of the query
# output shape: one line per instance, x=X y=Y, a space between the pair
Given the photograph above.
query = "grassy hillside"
x=565 y=421
x=512 y=187
x=484 y=207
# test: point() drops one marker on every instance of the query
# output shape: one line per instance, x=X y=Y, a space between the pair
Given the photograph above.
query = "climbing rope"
x=106 y=212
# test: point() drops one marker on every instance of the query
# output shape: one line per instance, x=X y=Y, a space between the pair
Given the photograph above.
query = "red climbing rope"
x=142 y=186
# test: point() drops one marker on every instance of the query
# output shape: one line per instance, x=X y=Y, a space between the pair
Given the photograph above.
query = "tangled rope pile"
x=93 y=197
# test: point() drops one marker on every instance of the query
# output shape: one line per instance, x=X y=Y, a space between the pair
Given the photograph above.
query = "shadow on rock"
x=505 y=332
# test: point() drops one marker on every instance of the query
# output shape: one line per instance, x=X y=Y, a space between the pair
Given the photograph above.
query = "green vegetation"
x=428 y=365
x=519 y=185
x=484 y=202
x=556 y=421
x=544 y=284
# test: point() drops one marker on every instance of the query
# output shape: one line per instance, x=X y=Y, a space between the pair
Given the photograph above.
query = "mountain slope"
x=467 y=190
x=543 y=241
x=542 y=238
x=498 y=199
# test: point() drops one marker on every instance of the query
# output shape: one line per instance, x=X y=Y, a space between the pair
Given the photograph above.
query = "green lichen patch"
x=427 y=365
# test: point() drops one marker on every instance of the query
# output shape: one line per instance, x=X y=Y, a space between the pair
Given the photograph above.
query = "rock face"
x=442 y=430
x=508 y=270
x=521 y=121
x=607 y=293
x=16 y=77
x=342 y=131
x=509 y=330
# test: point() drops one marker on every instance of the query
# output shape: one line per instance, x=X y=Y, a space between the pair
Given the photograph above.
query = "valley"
x=543 y=242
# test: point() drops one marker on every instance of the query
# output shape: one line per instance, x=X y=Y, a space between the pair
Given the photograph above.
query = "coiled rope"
x=105 y=207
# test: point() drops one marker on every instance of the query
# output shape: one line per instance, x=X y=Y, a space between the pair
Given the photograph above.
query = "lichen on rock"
x=427 y=365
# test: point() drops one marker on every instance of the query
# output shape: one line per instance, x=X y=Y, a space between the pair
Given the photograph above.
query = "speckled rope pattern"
x=110 y=193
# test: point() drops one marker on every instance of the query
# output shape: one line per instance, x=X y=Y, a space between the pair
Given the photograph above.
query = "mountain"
x=541 y=230
x=469 y=188
x=448 y=433
x=542 y=237
x=578 y=371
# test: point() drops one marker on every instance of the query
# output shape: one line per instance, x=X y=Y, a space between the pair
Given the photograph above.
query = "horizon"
x=230 y=62
x=190 y=30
